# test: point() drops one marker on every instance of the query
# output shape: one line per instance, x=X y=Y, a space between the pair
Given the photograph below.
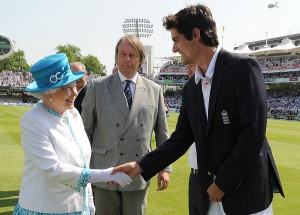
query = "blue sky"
x=38 y=26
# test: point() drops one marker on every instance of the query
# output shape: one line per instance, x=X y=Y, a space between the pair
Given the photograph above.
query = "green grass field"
x=284 y=138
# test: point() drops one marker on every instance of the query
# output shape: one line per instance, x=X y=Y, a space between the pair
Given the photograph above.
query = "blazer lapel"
x=137 y=103
x=220 y=69
x=200 y=115
x=117 y=93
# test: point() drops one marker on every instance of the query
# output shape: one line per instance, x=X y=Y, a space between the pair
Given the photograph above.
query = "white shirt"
x=132 y=83
x=215 y=208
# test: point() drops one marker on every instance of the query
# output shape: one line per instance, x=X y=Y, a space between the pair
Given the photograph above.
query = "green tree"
x=16 y=62
x=73 y=52
x=91 y=62
x=93 y=65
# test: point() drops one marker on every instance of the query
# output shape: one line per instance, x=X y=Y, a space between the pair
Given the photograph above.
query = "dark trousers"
x=109 y=202
x=194 y=194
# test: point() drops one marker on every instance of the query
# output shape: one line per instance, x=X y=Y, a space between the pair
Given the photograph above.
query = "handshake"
x=117 y=175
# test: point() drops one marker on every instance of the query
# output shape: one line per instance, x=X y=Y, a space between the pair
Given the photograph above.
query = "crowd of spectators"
x=282 y=101
x=173 y=99
x=173 y=66
x=15 y=79
x=278 y=61
x=20 y=79
x=12 y=84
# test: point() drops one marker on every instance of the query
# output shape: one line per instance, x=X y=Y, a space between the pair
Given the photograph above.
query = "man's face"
x=80 y=83
x=128 y=59
x=184 y=47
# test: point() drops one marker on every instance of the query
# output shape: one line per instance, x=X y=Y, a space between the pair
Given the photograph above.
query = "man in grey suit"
x=121 y=131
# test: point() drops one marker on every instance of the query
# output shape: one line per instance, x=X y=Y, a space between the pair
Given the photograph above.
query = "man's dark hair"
x=194 y=16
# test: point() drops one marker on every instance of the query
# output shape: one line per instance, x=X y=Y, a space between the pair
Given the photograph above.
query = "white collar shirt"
x=206 y=86
x=132 y=83
x=206 y=80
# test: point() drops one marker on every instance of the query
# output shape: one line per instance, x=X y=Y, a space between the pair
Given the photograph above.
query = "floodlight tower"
x=138 y=27
x=141 y=28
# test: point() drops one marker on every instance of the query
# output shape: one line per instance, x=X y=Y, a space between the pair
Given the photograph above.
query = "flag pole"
x=223 y=29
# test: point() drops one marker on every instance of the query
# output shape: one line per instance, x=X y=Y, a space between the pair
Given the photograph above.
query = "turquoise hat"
x=52 y=72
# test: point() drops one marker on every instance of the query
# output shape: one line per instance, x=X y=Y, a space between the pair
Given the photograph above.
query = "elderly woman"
x=56 y=177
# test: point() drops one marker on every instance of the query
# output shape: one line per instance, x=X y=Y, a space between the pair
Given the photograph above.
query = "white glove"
x=91 y=204
x=92 y=208
x=104 y=175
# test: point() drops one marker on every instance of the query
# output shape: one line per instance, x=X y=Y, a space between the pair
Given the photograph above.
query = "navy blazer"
x=231 y=144
x=79 y=99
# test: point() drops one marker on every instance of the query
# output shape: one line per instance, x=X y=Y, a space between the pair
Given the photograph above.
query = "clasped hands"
x=121 y=175
x=133 y=169
x=112 y=178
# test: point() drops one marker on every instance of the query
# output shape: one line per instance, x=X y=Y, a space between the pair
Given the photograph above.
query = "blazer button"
x=122 y=154
x=117 y=124
x=142 y=125
x=137 y=154
x=138 y=139
x=122 y=139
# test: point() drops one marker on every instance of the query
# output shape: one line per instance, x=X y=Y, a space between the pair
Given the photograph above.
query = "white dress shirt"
x=215 y=208
x=132 y=83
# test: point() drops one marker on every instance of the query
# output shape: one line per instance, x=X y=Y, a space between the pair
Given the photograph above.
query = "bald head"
x=77 y=67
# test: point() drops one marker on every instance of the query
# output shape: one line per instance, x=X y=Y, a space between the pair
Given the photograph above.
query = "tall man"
x=224 y=111
x=120 y=113
x=81 y=84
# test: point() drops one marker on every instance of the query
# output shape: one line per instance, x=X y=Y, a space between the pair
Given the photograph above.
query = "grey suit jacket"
x=118 y=135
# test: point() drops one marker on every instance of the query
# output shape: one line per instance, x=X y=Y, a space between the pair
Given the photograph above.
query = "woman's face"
x=63 y=98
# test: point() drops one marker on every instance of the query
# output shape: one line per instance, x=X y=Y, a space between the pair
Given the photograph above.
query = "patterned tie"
x=127 y=93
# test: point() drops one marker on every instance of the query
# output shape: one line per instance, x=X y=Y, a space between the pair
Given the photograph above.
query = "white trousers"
x=216 y=208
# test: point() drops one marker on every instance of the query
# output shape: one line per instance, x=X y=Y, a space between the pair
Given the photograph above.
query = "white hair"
x=42 y=95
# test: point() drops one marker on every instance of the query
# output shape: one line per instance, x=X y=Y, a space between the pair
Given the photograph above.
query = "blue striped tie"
x=128 y=94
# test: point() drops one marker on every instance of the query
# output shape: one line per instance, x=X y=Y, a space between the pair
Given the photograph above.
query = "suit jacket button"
x=137 y=154
x=122 y=154
x=138 y=139
x=117 y=124
x=142 y=125
x=122 y=139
